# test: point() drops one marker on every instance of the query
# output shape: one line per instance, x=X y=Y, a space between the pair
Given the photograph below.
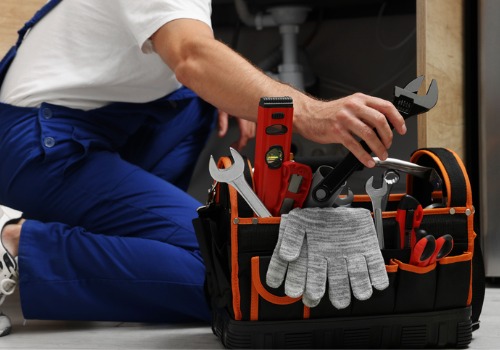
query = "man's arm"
x=228 y=81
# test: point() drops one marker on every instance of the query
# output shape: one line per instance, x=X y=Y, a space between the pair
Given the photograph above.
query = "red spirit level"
x=272 y=147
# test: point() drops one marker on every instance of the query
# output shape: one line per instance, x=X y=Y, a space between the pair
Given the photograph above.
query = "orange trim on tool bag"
x=415 y=269
x=432 y=211
x=224 y=163
x=469 y=299
x=258 y=220
x=259 y=290
x=361 y=198
x=437 y=195
x=234 y=270
x=396 y=197
x=455 y=258
x=307 y=312
x=467 y=180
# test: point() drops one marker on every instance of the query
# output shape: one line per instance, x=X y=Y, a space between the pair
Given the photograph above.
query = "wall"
x=14 y=13
x=440 y=47
x=489 y=85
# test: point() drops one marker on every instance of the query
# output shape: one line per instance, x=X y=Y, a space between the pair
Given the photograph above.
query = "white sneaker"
x=5 y=325
x=9 y=270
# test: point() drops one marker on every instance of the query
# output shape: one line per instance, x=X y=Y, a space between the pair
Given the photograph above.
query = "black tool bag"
x=431 y=306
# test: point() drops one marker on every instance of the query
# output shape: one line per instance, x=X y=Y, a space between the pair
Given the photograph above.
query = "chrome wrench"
x=376 y=196
x=391 y=177
x=426 y=173
x=234 y=177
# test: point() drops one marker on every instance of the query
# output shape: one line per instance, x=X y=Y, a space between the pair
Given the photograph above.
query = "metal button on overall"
x=47 y=113
x=49 y=142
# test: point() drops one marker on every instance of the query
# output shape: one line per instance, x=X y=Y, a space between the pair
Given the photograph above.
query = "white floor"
x=36 y=334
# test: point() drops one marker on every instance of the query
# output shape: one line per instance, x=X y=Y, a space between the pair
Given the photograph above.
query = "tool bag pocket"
x=416 y=288
x=453 y=282
x=267 y=304
x=382 y=302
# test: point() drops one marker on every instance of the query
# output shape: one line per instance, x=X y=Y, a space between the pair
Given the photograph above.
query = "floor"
x=35 y=334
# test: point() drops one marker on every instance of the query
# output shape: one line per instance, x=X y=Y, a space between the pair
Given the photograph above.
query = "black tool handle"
x=339 y=175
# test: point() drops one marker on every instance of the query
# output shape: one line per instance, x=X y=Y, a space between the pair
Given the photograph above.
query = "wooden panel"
x=440 y=56
x=13 y=14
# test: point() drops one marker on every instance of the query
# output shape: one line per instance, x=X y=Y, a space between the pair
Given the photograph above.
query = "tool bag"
x=429 y=306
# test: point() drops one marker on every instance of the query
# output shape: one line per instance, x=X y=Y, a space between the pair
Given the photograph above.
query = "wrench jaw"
x=409 y=103
x=228 y=174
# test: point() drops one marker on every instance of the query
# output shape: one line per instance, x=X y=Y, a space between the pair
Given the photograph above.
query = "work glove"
x=342 y=247
x=295 y=271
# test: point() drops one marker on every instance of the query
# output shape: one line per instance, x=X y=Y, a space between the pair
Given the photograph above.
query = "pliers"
x=409 y=215
x=428 y=249
x=408 y=103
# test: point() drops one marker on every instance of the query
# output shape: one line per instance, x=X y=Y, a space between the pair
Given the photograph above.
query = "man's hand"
x=247 y=130
x=350 y=119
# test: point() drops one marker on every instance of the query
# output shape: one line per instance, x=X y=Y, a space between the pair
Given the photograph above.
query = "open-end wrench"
x=408 y=103
x=376 y=196
x=234 y=176
x=345 y=201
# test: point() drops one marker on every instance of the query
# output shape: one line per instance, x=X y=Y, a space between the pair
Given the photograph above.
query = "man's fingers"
x=391 y=113
x=222 y=123
x=377 y=122
x=353 y=145
x=247 y=132
x=359 y=130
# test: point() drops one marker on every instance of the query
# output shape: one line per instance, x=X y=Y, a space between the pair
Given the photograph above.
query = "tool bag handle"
x=456 y=185
x=458 y=193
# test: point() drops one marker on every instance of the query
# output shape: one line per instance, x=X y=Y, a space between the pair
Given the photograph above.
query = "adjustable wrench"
x=376 y=196
x=408 y=103
x=234 y=176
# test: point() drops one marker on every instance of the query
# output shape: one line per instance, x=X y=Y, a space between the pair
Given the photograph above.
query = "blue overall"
x=109 y=234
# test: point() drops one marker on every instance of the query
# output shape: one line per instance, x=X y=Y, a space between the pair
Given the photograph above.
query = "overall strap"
x=9 y=56
x=36 y=18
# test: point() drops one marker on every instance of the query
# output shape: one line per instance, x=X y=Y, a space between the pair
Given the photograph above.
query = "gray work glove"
x=342 y=247
x=295 y=271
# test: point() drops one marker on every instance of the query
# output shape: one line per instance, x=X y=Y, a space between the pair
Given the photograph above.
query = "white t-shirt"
x=88 y=53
